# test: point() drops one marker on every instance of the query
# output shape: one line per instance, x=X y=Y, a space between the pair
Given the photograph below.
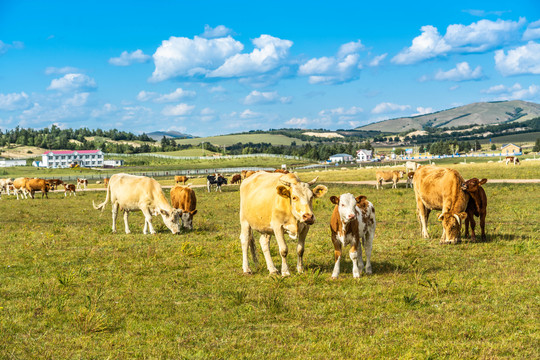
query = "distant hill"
x=482 y=113
x=158 y=135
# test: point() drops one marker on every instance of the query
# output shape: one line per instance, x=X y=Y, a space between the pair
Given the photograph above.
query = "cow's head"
x=401 y=173
x=187 y=219
x=171 y=219
x=301 y=197
x=472 y=185
x=346 y=204
x=410 y=175
x=452 y=226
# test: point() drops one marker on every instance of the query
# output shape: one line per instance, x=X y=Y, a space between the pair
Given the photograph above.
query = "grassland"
x=69 y=289
x=243 y=138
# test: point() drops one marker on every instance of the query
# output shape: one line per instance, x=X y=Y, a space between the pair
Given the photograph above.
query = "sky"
x=218 y=67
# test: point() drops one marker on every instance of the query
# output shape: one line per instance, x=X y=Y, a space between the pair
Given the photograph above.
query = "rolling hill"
x=482 y=113
x=158 y=135
x=228 y=140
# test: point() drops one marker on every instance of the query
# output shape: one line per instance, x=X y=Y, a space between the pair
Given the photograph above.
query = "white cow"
x=19 y=186
x=5 y=185
x=353 y=220
x=134 y=193
x=411 y=166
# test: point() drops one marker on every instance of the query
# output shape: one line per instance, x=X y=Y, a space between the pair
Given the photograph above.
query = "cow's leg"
x=265 y=242
x=126 y=223
x=114 y=214
x=208 y=186
x=423 y=215
x=253 y=250
x=466 y=225
x=368 y=246
x=300 y=249
x=148 y=221
x=283 y=249
x=65 y=193
x=473 y=225
x=356 y=257
x=337 y=256
x=482 y=225
x=245 y=234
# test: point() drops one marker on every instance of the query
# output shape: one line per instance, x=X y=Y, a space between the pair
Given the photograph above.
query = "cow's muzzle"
x=308 y=219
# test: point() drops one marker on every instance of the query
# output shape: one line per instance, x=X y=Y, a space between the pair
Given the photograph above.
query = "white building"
x=113 y=163
x=341 y=158
x=364 y=155
x=12 y=162
x=65 y=158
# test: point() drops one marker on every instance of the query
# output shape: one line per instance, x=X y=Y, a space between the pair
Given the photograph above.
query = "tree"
x=477 y=145
x=536 y=147
x=494 y=147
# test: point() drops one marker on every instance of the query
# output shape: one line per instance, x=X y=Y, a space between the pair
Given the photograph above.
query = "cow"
x=106 y=182
x=247 y=173
x=134 y=193
x=19 y=186
x=215 y=180
x=236 y=179
x=283 y=171
x=353 y=219
x=82 y=183
x=5 y=184
x=410 y=179
x=411 y=166
x=54 y=183
x=69 y=188
x=274 y=204
x=388 y=176
x=182 y=179
x=512 y=159
x=477 y=206
x=183 y=197
x=439 y=188
x=33 y=185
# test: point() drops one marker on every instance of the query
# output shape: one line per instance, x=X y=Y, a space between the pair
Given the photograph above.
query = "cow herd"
x=25 y=186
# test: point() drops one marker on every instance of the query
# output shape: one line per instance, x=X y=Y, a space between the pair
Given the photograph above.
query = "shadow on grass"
x=378 y=267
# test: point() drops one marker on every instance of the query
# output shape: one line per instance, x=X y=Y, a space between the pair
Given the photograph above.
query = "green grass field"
x=69 y=289
x=243 y=138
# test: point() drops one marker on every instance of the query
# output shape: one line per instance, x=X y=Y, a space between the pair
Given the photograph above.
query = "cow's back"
x=35 y=184
x=440 y=187
x=20 y=182
x=131 y=191
x=183 y=197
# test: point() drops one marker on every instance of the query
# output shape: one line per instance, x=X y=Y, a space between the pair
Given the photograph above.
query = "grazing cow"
x=411 y=166
x=512 y=159
x=273 y=204
x=246 y=173
x=353 y=219
x=19 y=186
x=82 y=183
x=134 y=193
x=477 y=206
x=439 y=188
x=183 y=197
x=33 y=185
x=283 y=171
x=410 y=179
x=106 y=182
x=215 y=180
x=236 y=179
x=388 y=176
x=54 y=183
x=5 y=184
x=69 y=188
x=182 y=179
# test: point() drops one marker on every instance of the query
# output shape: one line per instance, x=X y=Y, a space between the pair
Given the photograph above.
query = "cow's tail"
x=103 y=204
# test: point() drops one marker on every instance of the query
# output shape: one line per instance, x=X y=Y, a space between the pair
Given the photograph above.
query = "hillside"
x=158 y=135
x=483 y=113
x=228 y=140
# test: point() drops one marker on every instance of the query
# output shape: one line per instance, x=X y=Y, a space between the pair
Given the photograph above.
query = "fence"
x=220 y=157
x=458 y=156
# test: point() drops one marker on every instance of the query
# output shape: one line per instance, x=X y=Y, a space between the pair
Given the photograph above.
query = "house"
x=12 y=162
x=340 y=158
x=113 y=163
x=364 y=155
x=68 y=158
x=510 y=149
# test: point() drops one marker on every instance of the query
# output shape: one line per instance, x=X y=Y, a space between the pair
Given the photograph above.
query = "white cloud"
x=176 y=95
x=218 y=31
x=14 y=101
x=63 y=70
x=73 y=82
x=514 y=92
x=376 y=61
x=477 y=37
x=352 y=47
x=461 y=72
x=146 y=95
x=14 y=45
x=423 y=110
x=184 y=57
x=106 y=109
x=269 y=53
x=532 y=32
x=178 y=110
x=78 y=99
x=521 y=60
x=217 y=89
x=126 y=59
x=387 y=107
x=297 y=122
x=341 y=111
x=248 y=114
x=207 y=111
x=257 y=97
x=484 y=13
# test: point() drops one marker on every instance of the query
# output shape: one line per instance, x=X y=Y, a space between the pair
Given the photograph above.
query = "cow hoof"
x=368 y=271
x=356 y=276
x=286 y=274
x=300 y=270
x=248 y=273
x=334 y=277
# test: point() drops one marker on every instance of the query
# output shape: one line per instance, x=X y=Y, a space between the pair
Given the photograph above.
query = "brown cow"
x=438 y=188
x=82 y=183
x=283 y=171
x=54 y=183
x=477 y=206
x=69 y=188
x=388 y=176
x=410 y=179
x=236 y=179
x=512 y=159
x=106 y=182
x=183 y=197
x=33 y=185
x=182 y=179
x=19 y=186
x=246 y=173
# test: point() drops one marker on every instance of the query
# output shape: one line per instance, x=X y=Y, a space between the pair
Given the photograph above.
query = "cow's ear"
x=334 y=199
x=482 y=182
x=194 y=212
x=319 y=191
x=360 y=199
x=164 y=212
x=283 y=191
x=462 y=215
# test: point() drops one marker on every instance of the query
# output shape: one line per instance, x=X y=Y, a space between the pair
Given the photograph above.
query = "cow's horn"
x=286 y=183
x=440 y=216
x=313 y=181
x=457 y=218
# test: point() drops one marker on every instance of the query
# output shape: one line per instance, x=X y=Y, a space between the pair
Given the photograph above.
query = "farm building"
x=113 y=163
x=340 y=158
x=510 y=149
x=68 y=158
x=12 y=162
x=364 y=155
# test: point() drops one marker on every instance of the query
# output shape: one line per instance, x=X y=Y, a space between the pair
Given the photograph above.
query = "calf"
x=215 y=180
x=82 y=183
x=236 y=179
x=19 y=186
x=410 y=179
x=53 y=183
x=388 y=176
x=353 y=219
x=183 y=197
x=411 y=165
x=477 y=206
x=180 y=179
x=512 y=159
x=33 y=185
x=69 y=188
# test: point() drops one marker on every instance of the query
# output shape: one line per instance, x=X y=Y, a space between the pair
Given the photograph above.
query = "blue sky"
x=216 y=67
